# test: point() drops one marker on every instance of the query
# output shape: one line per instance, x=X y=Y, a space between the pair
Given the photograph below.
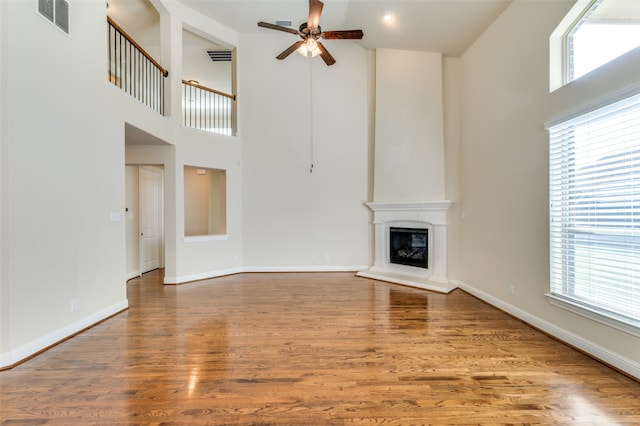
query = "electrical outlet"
x=512 y=290
x=74 y=305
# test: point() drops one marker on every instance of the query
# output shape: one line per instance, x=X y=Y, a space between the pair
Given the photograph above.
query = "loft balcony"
x=137 y=73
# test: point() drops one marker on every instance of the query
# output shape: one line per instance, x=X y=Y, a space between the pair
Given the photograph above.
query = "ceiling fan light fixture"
x=309 y=47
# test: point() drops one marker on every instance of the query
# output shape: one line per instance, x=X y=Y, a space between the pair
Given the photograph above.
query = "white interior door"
x=150 y=181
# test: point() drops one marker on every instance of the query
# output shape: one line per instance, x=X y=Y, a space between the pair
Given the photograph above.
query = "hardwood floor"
x=320 y=348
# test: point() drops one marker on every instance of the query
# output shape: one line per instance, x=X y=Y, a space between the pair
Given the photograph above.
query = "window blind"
x=594 y=166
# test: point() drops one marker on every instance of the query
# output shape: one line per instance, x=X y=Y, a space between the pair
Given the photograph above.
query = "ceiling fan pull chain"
x=310 y=114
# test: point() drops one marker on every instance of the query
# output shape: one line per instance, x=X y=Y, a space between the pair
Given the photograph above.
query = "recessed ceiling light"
x=387 y=17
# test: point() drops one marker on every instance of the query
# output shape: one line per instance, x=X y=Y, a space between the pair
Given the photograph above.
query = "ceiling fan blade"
x=325 y=55
x=315 y=9
x=343 y=35
x=277 y=27
x=290 y=50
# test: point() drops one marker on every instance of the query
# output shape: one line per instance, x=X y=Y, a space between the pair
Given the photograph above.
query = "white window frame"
x=560 y=43
x=559 y=294
x=558 y=54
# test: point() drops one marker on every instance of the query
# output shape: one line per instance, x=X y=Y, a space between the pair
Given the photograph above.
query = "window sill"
x=201 y=238
x=610 y=319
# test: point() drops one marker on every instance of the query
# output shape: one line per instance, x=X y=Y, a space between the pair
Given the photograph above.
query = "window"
x=205 y=201
x=593 y=33
x=594 y=170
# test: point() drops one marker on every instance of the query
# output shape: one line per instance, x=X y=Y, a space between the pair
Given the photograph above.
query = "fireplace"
x=408 y=246
x=411 y=244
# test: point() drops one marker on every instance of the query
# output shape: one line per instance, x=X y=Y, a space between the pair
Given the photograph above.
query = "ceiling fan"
x=310 y=32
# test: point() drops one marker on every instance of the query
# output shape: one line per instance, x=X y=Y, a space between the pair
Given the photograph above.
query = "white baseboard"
x=201 y=276
x=132 y=275
x=304 y=268
x=223 y=272
x=616 y=360
x=32 y=348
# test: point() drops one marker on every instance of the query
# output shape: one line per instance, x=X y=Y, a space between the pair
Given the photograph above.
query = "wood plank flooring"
x=311 y=349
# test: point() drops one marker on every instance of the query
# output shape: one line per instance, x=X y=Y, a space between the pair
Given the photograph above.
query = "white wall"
x=65 y=178
x=409 y=141
x=5 y=342
x=504 y=172
x=202 y=259
x=294 y=219
x=452 y=105
x=188 y=260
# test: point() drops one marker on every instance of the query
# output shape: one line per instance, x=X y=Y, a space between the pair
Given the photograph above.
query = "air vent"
x=45 y=7
x=56 y=12
x=219 y=55
x=284 y=23
x=62 y=15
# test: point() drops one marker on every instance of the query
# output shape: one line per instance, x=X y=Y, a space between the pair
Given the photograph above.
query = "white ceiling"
x=447 y=26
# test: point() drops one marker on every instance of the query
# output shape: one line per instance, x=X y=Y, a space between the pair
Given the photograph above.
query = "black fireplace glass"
x=409 y=246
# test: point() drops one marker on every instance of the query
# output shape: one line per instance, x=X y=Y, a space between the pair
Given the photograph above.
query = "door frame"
x=133 y=219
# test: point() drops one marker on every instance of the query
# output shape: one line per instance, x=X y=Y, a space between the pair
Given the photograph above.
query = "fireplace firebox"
x=409 y=246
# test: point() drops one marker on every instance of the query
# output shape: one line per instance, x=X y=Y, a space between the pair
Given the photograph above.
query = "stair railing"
x=133 y=70
x=208 y=109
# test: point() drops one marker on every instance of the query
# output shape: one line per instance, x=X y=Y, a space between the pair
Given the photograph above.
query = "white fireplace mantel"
x=431 y=215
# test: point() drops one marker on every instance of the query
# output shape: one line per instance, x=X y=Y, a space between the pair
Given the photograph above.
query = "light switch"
x=115 y=216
